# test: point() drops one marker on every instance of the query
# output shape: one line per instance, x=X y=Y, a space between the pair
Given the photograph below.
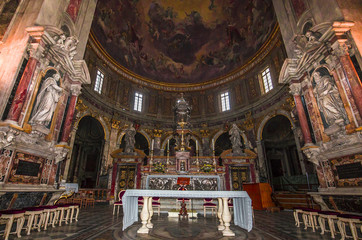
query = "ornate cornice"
x=273 y=41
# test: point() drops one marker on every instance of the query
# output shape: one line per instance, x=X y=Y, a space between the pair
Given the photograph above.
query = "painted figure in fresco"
x=328 y=99
x=46 y=101
x=130 y=139
x=235 y=139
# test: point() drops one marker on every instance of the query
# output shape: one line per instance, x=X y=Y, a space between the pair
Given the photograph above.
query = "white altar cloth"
x=243 y=216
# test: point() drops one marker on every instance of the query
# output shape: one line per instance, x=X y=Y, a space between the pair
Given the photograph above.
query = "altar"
x=241 y=203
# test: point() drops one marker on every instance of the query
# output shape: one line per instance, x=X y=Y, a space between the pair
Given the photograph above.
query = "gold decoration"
x=248 y=124
x=204 y=132
x=81 y=107
x=157 y=133
x=116 y=124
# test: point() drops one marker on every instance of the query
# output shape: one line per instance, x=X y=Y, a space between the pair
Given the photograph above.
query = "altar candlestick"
x=213 y=145
x=197 y=156
x=168 y=145
x=152 y=144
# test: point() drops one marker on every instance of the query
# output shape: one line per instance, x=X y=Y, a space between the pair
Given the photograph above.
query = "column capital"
x=75 y=89
x=295 y=88
x=204 y=133
x=157 y=133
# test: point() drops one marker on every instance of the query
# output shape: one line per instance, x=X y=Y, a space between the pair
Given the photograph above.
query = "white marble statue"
x=130 y=139
x=46 y=101
x=328 y=99
x=235 y=139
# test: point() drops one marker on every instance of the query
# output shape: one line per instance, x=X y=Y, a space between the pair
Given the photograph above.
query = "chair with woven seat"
x=89 y=200
x=208 y=204
x=156 y=204
x=119 y=203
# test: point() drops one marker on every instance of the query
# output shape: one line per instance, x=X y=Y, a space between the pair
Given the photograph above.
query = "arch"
x=99 y=118
x=88 y=152
x=268 y=117
x=143 y=132
x=67 y=21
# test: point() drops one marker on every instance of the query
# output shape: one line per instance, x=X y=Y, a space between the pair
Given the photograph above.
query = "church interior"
x=180 y=119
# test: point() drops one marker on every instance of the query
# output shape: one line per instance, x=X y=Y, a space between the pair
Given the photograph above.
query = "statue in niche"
x=46 y=101
x=235 y=139
x=328 y=100
x=130 y=139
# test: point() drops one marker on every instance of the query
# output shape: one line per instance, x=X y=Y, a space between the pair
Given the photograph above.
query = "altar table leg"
x=219 y=215
x=144 y=216
x=226 y=217
x=150 y=210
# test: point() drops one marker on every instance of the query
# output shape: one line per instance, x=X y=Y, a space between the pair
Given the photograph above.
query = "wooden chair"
x=156 y=204
x=90 y=201
x=208 y=204
x=119 y=203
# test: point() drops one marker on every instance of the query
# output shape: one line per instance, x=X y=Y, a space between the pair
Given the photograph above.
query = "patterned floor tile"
x=99 y=224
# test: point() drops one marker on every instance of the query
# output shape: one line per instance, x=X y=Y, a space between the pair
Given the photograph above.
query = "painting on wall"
x=182 y=41
x=27 y=168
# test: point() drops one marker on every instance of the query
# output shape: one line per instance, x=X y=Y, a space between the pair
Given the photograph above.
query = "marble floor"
x=98 y=223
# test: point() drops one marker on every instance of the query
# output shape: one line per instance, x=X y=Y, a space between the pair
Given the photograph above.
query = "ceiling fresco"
x=182 y=41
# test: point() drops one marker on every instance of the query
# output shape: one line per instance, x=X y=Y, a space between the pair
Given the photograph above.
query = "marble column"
x=340 y=49
x=67 y=127
x=22 y=90
x=295 y=90
x=351 y=74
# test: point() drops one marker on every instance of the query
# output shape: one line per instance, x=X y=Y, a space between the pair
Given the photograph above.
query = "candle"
x=152 y=143
x=213 y=145
x=197 y=146
x=168 y=145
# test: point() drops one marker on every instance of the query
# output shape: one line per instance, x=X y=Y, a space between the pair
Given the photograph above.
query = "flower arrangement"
x=159 y=167
x=207 y=168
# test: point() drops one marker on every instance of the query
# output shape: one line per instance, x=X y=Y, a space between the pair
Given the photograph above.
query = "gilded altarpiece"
x=127 y=175
x=239 y=175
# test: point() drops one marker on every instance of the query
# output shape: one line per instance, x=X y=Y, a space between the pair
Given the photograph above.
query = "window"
x=225 y=101
x=99 y=82
x=267 y=81
x=138 y=98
